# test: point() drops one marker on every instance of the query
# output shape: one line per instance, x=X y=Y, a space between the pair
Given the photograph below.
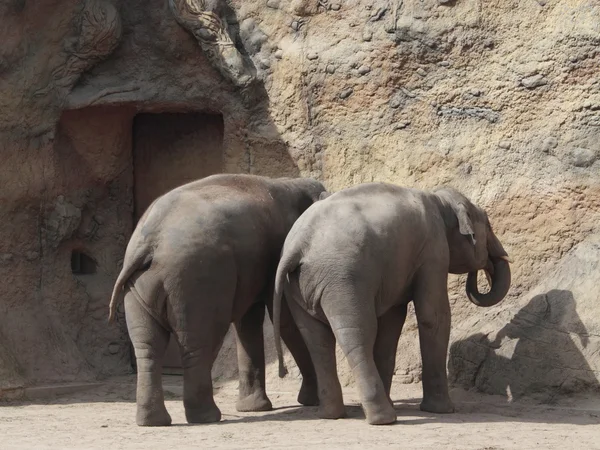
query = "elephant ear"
x=323 y=195
x=465 y=226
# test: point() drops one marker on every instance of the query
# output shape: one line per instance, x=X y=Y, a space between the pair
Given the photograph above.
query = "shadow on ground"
x=471 y=407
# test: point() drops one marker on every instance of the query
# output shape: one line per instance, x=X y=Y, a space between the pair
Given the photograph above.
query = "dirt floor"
x=103 y=418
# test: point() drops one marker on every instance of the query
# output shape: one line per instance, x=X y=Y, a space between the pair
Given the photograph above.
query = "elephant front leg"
x=149 y=341
x=433 y=316
x=251 y=361
x=389 y=328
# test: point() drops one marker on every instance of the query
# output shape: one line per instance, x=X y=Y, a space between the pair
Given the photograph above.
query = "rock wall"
x=500 y=100
x=545 y=346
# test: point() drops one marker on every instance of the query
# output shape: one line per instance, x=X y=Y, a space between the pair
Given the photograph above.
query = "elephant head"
x=473 y=246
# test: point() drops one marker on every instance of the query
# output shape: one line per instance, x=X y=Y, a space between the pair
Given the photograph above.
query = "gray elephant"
x=351 y=264
x=202 y=256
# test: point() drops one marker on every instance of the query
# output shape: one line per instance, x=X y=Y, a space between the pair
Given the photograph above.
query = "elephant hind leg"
x=149 y=341
x=354 y=323
x=389 y=328
x=251 y=361
x=199 y=309
x=198 y=353
x=321 y=345
x=308 y=395
x=198 y=400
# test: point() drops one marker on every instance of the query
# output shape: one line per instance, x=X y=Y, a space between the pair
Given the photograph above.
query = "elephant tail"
x=287 y=264
x=141 y=257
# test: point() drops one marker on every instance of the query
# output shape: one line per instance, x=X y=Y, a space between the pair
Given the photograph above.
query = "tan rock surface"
x=500 y=100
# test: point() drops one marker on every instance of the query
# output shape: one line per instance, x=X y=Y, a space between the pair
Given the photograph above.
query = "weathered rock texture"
x=499 y=99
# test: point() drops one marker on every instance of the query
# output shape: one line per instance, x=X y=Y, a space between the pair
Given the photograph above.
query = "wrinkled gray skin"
x=351 y=264
x=202 y=256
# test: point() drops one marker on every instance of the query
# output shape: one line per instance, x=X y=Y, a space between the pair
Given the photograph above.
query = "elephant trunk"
x=498 y=276
x=500 y=283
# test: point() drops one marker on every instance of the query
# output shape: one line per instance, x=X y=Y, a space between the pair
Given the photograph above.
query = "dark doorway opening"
x=169 y=150
x=82 y=264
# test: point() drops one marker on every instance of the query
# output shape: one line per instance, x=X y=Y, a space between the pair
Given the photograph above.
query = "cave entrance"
x=171 y=149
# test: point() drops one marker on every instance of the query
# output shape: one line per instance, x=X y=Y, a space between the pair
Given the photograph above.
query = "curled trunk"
x=500 y=284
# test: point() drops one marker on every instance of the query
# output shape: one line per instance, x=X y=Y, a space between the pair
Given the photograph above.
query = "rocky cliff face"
x=546 y=346
x=500 y=100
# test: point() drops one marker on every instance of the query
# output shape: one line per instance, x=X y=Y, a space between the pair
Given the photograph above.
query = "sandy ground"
x=103 y=418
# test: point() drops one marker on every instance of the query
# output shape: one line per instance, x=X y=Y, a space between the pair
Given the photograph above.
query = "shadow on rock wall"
x=535 y=354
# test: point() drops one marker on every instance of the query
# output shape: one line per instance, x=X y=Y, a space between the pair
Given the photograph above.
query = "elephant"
x=351 y=264
x=202 y=256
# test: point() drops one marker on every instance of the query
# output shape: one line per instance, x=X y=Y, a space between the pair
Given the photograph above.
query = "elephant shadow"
x=534 y=355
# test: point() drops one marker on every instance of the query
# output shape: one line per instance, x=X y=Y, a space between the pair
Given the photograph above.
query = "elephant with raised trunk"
x=202 y=256
x=351 y=264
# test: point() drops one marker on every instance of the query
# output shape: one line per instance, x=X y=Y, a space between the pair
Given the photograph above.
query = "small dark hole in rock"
x=82 y=264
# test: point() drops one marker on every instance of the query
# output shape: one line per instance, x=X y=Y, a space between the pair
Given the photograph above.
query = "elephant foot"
x=332 y=411
x=380 y=414
x=257 y=401
x=153 y=418
x=437 y=406
x=308 y=395
x=203 y=415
